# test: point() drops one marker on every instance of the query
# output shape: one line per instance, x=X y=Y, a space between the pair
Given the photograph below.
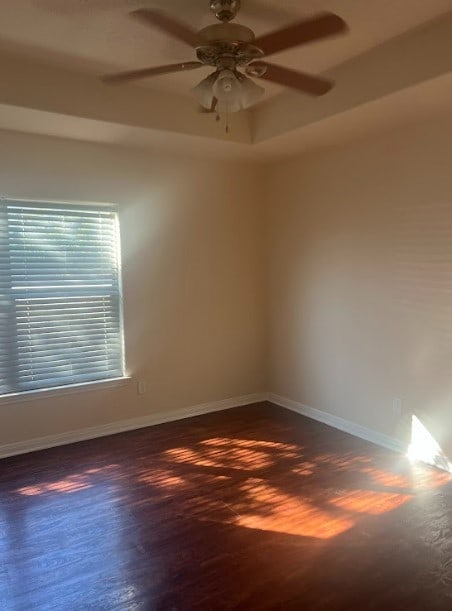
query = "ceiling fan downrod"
x=225 y=10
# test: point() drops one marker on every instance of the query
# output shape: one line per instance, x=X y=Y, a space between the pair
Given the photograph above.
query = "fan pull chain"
x=218 y=118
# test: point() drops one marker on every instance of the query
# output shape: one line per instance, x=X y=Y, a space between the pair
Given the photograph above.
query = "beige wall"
x=192 y=276
x=360 y=283
x=357 y=308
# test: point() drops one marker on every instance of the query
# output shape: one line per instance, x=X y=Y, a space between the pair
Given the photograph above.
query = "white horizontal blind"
x=60 y=301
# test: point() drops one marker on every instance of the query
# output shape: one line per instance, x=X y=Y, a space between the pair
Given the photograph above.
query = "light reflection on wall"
x=425 y=448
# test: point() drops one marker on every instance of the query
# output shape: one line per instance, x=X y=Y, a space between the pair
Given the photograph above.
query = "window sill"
x=60 y=391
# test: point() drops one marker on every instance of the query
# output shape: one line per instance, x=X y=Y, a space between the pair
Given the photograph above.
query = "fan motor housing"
x=226 y=32
x=227 y=43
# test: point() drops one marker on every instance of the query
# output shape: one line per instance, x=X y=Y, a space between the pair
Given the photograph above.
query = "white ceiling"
x=95 y=36
x=393 y=67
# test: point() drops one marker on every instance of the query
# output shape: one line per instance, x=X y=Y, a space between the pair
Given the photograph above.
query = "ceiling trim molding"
x=417 y=56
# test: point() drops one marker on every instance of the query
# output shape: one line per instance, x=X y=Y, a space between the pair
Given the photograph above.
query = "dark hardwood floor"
x=251 y=508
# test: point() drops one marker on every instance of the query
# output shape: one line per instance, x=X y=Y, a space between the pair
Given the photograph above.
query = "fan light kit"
x=236 y=54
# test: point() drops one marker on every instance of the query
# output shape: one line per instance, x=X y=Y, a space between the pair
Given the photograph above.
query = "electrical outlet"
x=142 y=387
x=397 y=406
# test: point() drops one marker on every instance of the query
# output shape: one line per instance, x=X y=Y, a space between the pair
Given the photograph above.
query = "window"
x=60 y=298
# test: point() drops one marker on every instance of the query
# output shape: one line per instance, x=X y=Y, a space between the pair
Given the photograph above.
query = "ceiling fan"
x=229 y=46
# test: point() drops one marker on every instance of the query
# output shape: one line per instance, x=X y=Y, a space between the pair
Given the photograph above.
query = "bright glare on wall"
x=425 y=448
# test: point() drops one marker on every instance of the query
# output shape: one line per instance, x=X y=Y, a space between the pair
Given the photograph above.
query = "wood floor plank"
x=252 y=508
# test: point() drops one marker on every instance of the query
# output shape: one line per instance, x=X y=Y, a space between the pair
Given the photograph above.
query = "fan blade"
x=317 y=27
x=123 y=77
x=290 y=78
x=265 y=11
x=168 y=25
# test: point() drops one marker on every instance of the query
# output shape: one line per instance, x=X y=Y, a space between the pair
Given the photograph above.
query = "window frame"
x=90 y=385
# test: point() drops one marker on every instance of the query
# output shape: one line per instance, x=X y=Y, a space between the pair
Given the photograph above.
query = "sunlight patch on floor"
x=370 y=502
x=72 y=483
x=278 y=511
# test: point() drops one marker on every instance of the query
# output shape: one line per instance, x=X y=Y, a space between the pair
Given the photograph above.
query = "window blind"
x=60 y=298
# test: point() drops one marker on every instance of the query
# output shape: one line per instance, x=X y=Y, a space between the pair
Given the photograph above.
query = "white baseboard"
x=50 y=441
x=340 y=423
x=60 y=439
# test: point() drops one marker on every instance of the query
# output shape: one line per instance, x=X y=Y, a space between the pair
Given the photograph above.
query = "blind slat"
x=85 y=354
